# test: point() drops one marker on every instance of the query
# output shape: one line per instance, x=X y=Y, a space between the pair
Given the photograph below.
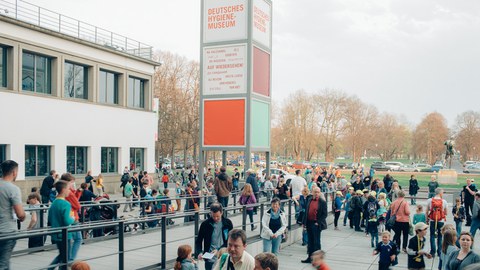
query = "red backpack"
x=436 y=210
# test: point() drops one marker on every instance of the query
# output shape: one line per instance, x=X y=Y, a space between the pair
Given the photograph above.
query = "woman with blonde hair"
x=248 y=198
x=99 y=185
x=382 y=211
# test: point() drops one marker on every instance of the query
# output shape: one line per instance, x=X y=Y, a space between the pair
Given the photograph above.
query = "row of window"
x=37 y=77
x=38 y=159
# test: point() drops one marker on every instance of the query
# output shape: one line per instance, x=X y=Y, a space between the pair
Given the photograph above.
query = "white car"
x=408 y=168
x=469 y=162
x=277 y=172
x=393 y=165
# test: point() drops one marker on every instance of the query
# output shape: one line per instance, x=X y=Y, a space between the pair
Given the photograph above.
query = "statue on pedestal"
x=450 y=151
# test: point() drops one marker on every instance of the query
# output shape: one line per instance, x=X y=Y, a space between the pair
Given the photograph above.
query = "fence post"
x=82 y=214
x=164 y=243
x=262 y=210
x=64 y=259
x=196 y=230
x=289 y=215
x=205 y=206
x=142 y=214
x=244 y=218
x=234 y=202
x=42 y=218
x=121 y=248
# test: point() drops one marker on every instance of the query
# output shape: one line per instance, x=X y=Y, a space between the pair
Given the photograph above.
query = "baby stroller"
x=100 y=213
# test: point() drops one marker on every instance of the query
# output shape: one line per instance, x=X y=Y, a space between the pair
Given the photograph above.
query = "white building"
x=73 y=97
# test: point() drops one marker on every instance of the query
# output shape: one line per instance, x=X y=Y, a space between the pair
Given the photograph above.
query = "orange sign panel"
x=224 y=122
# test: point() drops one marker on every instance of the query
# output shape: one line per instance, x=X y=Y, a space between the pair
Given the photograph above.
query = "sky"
x=406 y=57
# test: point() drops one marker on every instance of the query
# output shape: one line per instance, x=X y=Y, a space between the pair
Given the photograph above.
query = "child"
x=79 y=265
x=416 y=247
x=318 y=260
x=268 y=188
x=60 y=214
x=34 y=202
x=419 y=216
x=458 y=212
x=184 y=259
x=382 y=211
x=387 y=250
x=372 y=229
x=337 y=208
x=179 y=192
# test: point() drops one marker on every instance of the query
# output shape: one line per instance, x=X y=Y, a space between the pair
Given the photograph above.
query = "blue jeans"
x=474 y=226
x=304 y=237
x=458 y=227
x=272 y=245
x=61 y=253
x=433 y=248
x=77 y=242
x=6 y=248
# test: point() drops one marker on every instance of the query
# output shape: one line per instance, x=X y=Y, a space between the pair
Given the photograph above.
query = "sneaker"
x=308 y=260
x=254 y=227
x=304 y=244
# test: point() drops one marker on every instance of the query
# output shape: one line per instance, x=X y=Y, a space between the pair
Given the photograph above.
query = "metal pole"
x=64 y=259
x=42 y=217
x=244 y=218
x=164 y=242
x=262 y=210
x=235 y=201
x=196 y=230
x=205 y=205
x=121 y=247
x=289 y=214
x=224 y=158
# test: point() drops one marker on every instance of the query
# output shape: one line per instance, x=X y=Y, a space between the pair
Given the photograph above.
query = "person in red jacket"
x=73 y=199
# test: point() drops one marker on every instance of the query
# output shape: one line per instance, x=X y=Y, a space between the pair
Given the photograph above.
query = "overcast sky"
x=406 y=57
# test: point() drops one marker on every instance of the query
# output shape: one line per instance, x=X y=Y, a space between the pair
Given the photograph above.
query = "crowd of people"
x=376 y=207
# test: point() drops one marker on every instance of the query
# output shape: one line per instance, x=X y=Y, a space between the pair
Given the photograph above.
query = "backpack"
x=436 y=210
x=125 y=178
x=372 y=209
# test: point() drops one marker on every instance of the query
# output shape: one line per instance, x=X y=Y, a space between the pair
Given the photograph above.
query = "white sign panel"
x=224 y=20
x=225 y=69
x=262 y=21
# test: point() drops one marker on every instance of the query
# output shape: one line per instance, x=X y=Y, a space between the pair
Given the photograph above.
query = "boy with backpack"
x=370 y=213
x=436 y=216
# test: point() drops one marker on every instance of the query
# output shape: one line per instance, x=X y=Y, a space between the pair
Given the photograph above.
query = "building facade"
x=70 y=104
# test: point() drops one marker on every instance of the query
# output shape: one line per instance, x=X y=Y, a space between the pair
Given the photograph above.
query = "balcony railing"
x=32 y=14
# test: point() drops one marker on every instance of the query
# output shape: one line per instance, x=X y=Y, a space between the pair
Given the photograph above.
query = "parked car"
x=393 y=165
x=437 y=166
x=473 y=168
x=423 y=167
x=324 y=164
x=340 y=165
x=468 y=163
x=299 y=165
x=379 y=166
x=351 y=166
x=277 y=172
x=233 y=162
x=408 y=168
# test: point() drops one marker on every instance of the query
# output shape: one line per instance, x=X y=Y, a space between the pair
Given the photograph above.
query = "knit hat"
x=420 y=226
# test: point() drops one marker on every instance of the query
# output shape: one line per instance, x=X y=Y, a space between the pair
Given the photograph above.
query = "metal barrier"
x=33 y=14
x=121 y=224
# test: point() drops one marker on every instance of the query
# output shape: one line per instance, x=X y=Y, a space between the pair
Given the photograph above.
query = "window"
x=3 y=155
x=136 y=93
x=3 y=66
x=76 y=81
x=37 y=160
x=36 y=73
x=76 y=159
x=136 y=159
x=108 y=87
x=109 y=160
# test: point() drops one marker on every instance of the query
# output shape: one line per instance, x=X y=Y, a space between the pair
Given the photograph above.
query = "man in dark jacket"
x=47 y=186
x=468 y=197
x=252 y=180
x=213 y=234
x=357 y=207
x=315 y=221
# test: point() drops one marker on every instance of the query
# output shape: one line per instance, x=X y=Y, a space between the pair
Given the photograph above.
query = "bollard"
x=64 y=259
x=244 y=218
x=121 y=247
x=164 y=243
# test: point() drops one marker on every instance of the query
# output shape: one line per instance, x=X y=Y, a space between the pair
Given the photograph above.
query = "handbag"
x=393 y=217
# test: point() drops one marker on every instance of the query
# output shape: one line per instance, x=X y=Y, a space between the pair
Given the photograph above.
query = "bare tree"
x=430 y=135
x=468 y=133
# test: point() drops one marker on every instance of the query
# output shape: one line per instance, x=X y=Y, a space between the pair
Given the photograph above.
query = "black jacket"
x=47 y=185
x=252 y=180
x=205 y=234
x=321 y=213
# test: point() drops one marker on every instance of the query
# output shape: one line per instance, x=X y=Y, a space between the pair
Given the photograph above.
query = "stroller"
x=100 y=213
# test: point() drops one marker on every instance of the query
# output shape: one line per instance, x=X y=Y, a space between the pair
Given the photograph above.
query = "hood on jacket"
x=223 y=176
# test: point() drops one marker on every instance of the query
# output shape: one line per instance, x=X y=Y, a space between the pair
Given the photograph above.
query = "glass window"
x=109 y=160
x=136 y=93
x=37 y=160
x=136 y=159
x=3 y=67
x=76 y=159
x=36 y=73
x=76 y=81
x=108 y=87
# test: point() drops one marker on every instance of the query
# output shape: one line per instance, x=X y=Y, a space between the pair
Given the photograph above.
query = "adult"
x=468 y=197
x=315 y=221
x=296 y=186
x=213 y=234
x=401 y=209
x=475 y=215
x=388 y=180
x=432 y=186
x=393 y=194
x=47 y=186
x=358 y=184
x=235 y=179
x=413 y=189
x=88 y=180
x=436 y=216
x=356 y=207
x=10 y=201
x=99 y=185
x=223 y=186
x=252 y=180
x=237 y=257
x=367 y=181
x=459 y=259
x=266 y=261
x=274 y=224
